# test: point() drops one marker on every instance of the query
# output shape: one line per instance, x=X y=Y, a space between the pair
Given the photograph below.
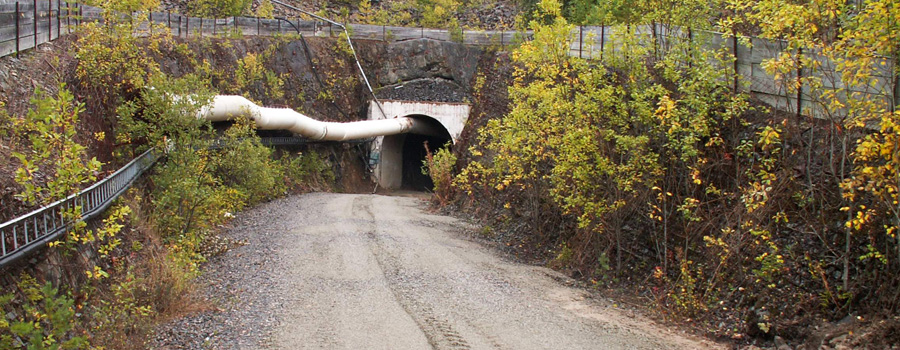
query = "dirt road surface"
x=341 y=271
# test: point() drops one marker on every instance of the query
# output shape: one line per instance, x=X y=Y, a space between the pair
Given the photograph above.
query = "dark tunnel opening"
x=414 y=154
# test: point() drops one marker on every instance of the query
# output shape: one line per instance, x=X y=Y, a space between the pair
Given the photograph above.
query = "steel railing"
x=21 y=236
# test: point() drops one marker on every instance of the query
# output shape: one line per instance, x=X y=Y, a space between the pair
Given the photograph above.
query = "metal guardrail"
x=21 y=236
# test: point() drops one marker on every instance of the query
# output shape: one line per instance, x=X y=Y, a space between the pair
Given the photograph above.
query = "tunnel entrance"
x=413 y=159
x=402 y=157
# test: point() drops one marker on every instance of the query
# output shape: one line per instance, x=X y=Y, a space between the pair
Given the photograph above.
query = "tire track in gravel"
x=440 y=333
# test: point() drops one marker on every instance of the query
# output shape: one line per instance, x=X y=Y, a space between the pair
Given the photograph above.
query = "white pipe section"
x=225 y=107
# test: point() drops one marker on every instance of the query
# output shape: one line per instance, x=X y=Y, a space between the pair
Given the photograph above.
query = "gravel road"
x=342 y=271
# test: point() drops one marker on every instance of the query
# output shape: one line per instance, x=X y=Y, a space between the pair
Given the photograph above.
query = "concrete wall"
x=387 y=151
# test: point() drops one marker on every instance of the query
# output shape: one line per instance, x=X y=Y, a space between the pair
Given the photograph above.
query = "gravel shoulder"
x=343 y=271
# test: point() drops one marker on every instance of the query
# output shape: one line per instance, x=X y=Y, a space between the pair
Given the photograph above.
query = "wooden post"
x=58 y=20
x=201 y=26
x=501 y=38
x=17 y=30
x=180 y=19
x=257 y=26
x=169 y=21
x=68 y=21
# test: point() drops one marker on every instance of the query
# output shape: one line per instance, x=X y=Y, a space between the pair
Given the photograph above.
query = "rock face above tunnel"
x=436 y=62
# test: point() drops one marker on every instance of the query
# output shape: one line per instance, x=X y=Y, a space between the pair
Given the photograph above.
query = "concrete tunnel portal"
x=396 y=160
x=401 y=129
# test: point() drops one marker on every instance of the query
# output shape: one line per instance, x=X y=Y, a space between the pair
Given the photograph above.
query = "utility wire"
x=352 y=50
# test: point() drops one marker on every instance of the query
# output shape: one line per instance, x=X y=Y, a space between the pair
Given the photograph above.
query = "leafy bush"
x=308 y=171
x=218 y=8
x=247 y=166
x=51 y=130
x=47 y=322
x=439 y=167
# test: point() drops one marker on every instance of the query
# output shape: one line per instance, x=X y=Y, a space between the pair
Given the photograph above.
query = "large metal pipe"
x=225 y=107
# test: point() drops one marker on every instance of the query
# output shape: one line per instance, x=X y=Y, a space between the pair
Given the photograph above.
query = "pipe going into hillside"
x=225 y=107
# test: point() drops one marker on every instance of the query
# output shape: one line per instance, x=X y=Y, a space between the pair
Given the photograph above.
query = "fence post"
x=896 y=73
x=68 y=17
x=17 y=29
x=35 y=25
x=58 y=21
x=49 y=21
x=580 y=39
x=187 y=28
x=896 y=92
x=257 y=26
x=799 y=83
x=602 y=39
x=734 y=53
x=690 y=48
x=383 y=33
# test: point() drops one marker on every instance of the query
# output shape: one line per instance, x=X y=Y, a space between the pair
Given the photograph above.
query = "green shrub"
x=440 y=167
x=308 y=171
x=47 y=321
x=218 y=8
x=246 y=166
